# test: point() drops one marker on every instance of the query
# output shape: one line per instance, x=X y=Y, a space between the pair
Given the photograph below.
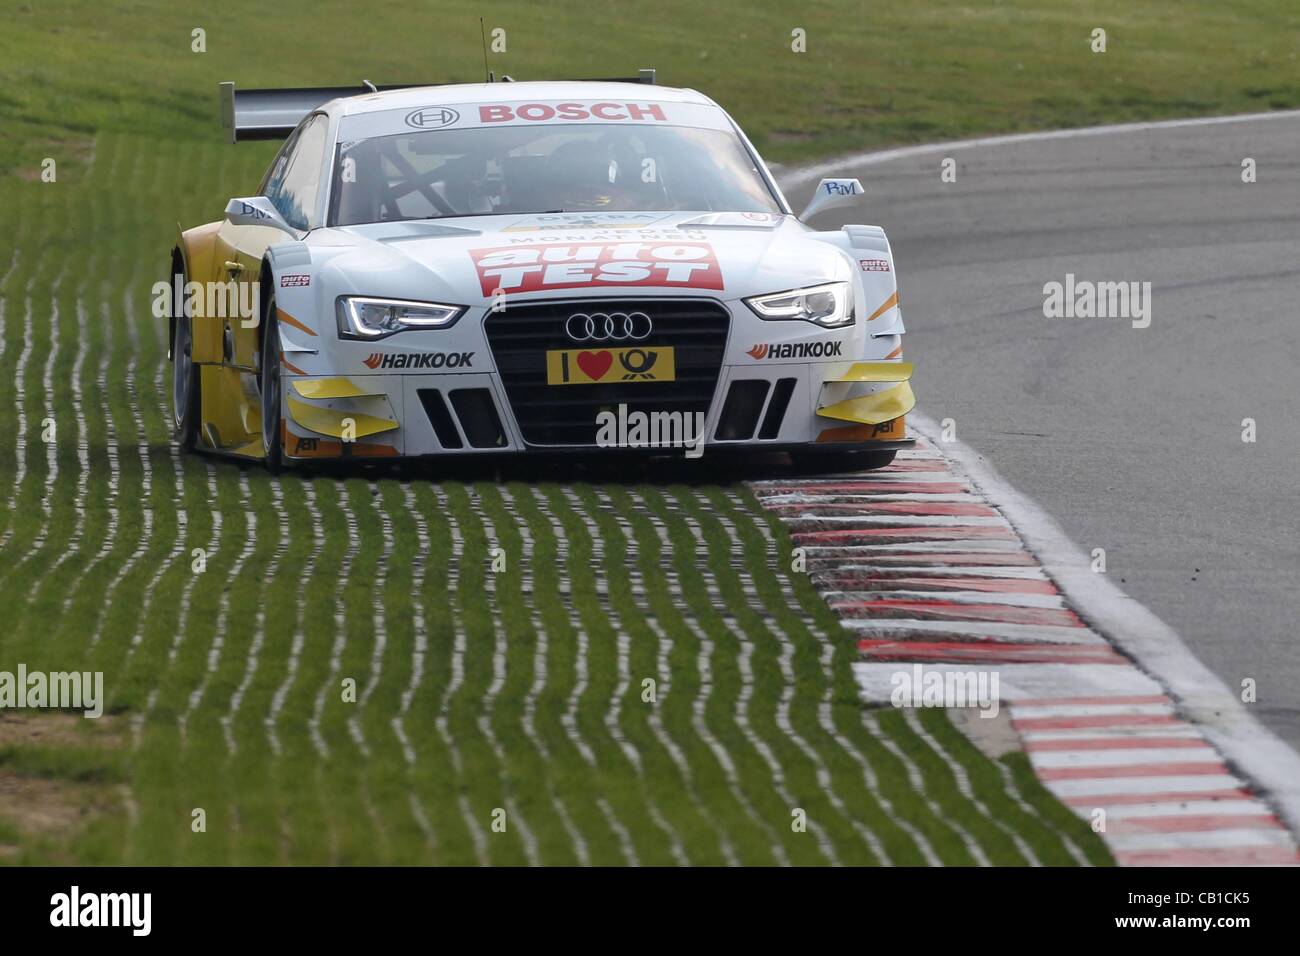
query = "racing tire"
x=838 y=461
x=186 y=397
x=268 y=385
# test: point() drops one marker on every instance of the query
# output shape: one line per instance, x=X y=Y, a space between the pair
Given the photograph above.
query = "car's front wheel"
x=268 y=380
x=185 y=375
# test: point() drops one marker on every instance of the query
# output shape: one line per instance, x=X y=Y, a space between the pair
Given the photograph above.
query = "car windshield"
x=432 y=174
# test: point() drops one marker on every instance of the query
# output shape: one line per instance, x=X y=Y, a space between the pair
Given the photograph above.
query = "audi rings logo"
x=608 y=326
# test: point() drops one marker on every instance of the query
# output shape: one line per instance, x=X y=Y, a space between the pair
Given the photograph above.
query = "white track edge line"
x=1202 y=697
x=798 y=176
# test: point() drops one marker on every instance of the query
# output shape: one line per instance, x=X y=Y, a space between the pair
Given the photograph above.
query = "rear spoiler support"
x=274 y=114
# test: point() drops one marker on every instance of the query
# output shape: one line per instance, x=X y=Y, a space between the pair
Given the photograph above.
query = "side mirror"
x=257 y=211
x=831 y=193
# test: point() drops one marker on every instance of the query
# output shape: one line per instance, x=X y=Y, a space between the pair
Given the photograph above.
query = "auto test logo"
x=413 y=360
x=785 y=350
x=538 y=268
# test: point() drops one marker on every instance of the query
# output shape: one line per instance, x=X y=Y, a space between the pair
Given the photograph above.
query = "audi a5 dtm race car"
x=510 y=267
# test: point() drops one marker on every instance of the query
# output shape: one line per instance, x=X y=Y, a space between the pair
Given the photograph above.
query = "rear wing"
x=274 y=114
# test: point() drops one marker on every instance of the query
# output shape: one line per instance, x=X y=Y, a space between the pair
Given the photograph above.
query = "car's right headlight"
x=829 y=305
x=365 y=318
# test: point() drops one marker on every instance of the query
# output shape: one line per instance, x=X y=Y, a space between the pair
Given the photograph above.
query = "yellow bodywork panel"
x=331 y=421
x=873 y=409
x=876 y=372
x=251 y=412
x=226 y=413
x=197 y=247
x=318 y=388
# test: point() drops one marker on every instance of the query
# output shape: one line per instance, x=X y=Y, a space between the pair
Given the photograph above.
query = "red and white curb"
x=921 y=560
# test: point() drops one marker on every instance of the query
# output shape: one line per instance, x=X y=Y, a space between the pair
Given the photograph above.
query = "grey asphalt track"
x=1130 y=438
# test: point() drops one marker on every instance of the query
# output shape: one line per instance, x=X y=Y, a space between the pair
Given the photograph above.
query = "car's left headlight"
x=361 y=317
x=829 y=305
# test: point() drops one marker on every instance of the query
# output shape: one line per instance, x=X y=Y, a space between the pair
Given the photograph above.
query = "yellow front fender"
x=197 y=247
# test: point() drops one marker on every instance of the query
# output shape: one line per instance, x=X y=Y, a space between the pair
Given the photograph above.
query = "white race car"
x=528 y=267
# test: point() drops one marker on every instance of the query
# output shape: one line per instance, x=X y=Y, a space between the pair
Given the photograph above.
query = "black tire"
x=268 y=383
x=823 y=462
x=186 y=397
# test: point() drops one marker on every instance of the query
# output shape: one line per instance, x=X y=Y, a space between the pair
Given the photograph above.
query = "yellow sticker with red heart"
x=605 y=366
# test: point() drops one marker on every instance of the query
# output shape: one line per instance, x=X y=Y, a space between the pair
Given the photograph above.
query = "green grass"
x=873 y=74
x=523 y=689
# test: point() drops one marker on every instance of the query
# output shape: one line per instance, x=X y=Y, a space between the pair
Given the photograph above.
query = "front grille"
x=520 y=335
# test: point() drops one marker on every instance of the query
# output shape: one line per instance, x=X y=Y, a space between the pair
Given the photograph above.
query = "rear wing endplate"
x=274 y=114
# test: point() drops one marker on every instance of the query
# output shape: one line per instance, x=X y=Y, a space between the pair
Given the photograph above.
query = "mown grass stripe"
x=899 y=839
x=12 y=326
x=252 y=657
x=63 y=530
x=555 y=595
x=608 y=546
x=441 y=773
x=416 y=839
x=13 y=574
x=588 y=594
x=792 y=641
x=756 y=654
x=714 y=713
x=997 y=790
x=420 y=634
x=646 y=650
x=223 y=618
x=308 y=835
x=482 y=499
x=693 y=675
x=137 y=400
x=457 y=678
x=520 y=504
x=963 y=781
x=20 y=428
x=896 y=780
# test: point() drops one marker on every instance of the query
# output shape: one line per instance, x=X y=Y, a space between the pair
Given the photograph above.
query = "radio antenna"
x=482 y=32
